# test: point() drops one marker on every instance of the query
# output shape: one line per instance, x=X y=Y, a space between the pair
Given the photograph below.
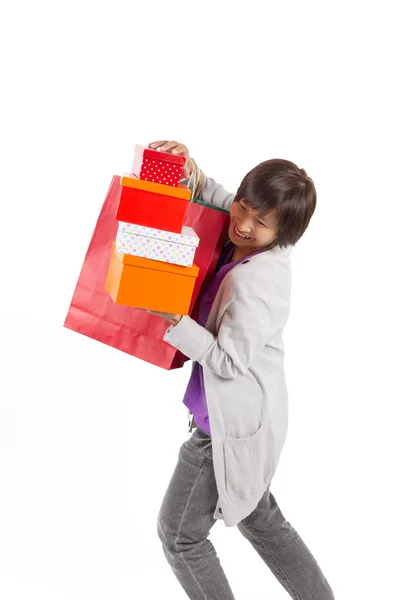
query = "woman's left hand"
x=172 y=318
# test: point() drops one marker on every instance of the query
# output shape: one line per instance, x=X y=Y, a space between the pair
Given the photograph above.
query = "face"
x=261 y=232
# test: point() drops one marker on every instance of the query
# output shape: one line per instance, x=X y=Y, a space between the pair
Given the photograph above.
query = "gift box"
x=152 y=284
x=160 y=167
x=152 y=204
x=157 y=244
x=92 y=311
x=132 y=181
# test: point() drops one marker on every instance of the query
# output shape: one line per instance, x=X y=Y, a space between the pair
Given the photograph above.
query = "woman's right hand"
x=174 y=148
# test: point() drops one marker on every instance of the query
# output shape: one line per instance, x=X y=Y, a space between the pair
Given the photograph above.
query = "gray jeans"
x=185 y=520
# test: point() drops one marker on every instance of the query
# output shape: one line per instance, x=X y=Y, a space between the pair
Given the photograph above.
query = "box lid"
x=187 y=236
x=158 y=265
x=141 y=150
x=180 y=191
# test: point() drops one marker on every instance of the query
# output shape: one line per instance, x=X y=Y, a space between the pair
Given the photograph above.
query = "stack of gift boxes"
x=152 y=259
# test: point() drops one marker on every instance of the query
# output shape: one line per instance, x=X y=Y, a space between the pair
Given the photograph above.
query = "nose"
x=243 y=228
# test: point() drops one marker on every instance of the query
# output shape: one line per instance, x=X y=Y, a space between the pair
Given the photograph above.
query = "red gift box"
x=160 y=167
x=160 y=209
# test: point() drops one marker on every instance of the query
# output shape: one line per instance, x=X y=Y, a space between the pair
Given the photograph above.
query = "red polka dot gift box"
x=160 y=167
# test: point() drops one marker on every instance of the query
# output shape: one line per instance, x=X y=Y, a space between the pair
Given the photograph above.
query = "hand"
x=174 y=148
x=172 y=318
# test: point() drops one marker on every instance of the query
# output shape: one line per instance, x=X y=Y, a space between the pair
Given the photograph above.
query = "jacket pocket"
x=244 y=459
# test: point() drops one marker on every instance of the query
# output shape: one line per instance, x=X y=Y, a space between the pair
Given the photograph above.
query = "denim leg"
x=185 y=520
x=284 y=552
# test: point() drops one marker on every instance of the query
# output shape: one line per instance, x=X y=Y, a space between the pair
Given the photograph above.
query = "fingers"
x=180 y=149
x=157 y=144
x=172 y=146
x=175 y=148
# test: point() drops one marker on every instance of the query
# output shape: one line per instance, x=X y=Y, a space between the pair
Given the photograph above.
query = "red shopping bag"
x=93 y=312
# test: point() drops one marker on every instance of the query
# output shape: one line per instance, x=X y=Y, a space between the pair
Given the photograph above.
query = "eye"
x=260 y=222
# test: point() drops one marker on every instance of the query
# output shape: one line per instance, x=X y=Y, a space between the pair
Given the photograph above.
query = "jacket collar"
x=275 y=252
x=281 y=251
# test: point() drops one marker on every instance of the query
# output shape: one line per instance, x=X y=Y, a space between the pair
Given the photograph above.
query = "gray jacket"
x=242 y=354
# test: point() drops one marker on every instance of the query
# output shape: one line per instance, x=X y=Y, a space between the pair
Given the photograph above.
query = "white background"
x=89 y=436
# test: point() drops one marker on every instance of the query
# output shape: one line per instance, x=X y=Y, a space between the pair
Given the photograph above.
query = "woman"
x=237 y=393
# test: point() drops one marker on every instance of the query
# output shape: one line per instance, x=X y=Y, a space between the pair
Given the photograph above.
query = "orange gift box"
x=180 y=191
x=152 y=284
x=152 y=204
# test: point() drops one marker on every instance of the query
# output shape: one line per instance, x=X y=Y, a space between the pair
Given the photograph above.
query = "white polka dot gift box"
x=157 y=244
x=160 y=167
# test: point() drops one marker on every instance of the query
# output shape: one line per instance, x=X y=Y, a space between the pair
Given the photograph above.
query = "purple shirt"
x=195 y=397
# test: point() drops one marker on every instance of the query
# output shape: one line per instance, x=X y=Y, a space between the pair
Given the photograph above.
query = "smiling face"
x=261 y=232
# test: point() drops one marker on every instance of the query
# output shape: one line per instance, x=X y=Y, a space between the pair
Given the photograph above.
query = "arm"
x=247 y=325
x=212 y=192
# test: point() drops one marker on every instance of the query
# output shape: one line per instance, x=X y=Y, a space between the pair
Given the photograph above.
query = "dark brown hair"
x=280 y=184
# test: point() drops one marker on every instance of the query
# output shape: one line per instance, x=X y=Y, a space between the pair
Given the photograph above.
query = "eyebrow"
x=263 y=220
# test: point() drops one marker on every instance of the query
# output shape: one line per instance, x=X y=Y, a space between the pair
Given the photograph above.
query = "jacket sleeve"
x=247 y=324
x=213 y=193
